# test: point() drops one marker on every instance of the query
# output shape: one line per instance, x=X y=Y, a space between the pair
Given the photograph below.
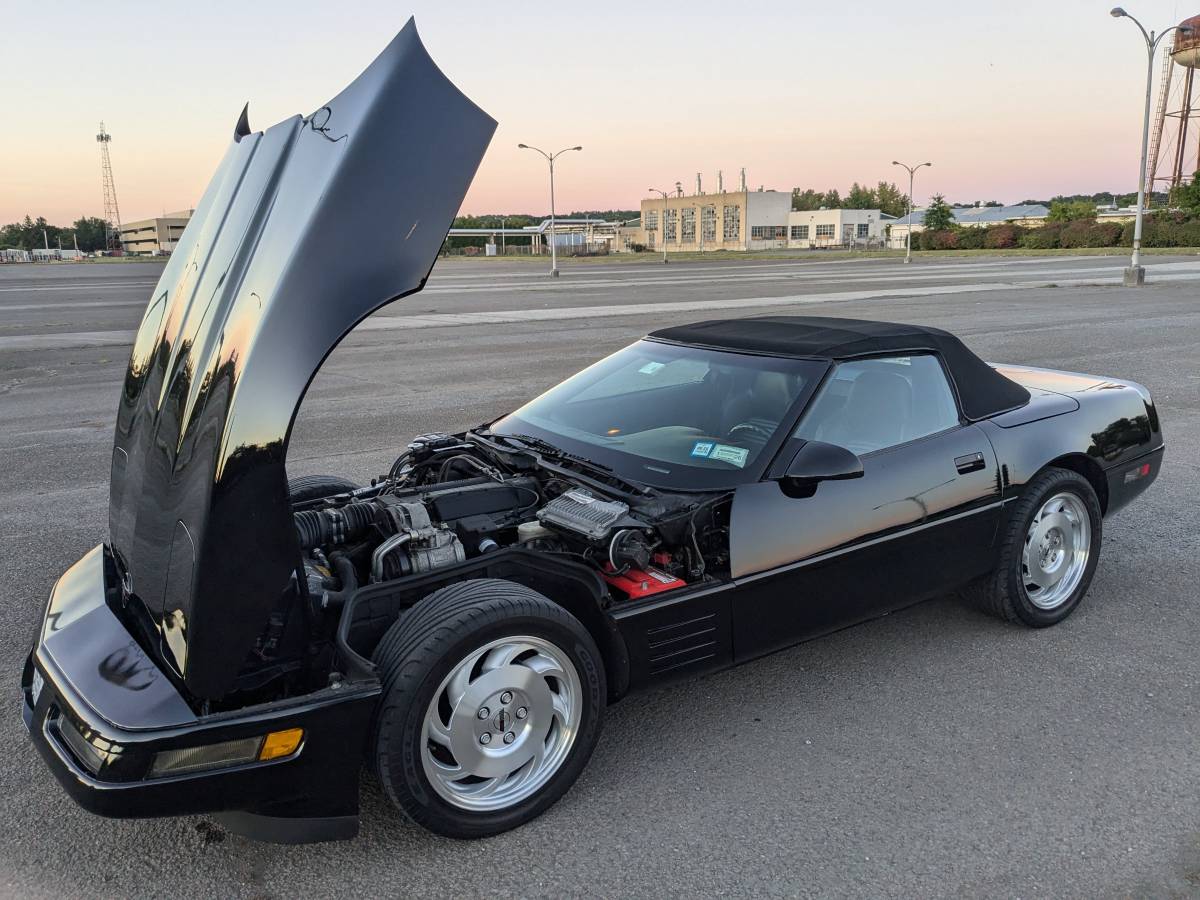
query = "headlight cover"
x=209 y=756
x=93 y=753
x=259 y=748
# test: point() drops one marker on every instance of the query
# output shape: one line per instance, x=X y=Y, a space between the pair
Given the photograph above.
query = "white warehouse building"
x=753 y=220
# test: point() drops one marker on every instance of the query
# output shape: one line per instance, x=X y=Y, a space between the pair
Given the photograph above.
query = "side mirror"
x=815 y=462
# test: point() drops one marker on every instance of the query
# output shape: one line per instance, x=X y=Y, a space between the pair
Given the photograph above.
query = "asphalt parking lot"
x=934 y=752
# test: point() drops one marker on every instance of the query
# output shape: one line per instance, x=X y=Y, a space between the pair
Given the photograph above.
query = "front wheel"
x=493 y=699
x=1049 y=552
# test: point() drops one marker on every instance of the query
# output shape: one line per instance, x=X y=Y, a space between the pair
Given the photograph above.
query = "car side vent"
x=682 y=643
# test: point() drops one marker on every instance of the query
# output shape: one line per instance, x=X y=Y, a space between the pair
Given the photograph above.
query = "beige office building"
x=753 y=220
x=732 y=220
x=154 y=237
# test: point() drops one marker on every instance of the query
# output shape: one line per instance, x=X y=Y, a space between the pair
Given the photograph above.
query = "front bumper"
x=99 y=711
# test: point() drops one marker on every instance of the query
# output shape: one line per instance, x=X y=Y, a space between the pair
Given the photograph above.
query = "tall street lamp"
x=662 y=226
x=550 y=157
x=1135 y=275
x=912 y=171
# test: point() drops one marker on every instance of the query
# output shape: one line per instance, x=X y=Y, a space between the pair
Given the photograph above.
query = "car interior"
x=728 y=406
x=872 y=404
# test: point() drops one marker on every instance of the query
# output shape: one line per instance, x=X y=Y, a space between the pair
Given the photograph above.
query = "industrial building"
x=46 y=254
x=570 y=236
x=154 y=237
x=753 y=220
x=1027 y=214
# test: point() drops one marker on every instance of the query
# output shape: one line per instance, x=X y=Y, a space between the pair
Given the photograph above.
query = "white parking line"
x=702 y=278
x=76 y=287
x=402 y=322
x=80 y=304
x=570 y=272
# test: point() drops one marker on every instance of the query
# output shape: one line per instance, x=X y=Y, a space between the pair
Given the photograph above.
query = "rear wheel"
x=1049 y=553
x=493 y=700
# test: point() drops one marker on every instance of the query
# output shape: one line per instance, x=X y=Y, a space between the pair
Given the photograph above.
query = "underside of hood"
x=304 y=230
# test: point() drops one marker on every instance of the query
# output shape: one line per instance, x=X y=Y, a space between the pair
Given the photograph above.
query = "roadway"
x=934 y=752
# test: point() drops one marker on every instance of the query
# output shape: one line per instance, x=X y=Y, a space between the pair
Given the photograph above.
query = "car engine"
x=449 y=498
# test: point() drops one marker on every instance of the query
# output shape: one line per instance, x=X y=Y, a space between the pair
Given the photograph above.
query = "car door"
x=919 y=522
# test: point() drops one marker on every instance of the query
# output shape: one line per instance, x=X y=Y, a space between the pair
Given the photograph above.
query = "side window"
x=871 y=404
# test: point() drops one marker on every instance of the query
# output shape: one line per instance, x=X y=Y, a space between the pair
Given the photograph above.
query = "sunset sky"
x=1025 y=98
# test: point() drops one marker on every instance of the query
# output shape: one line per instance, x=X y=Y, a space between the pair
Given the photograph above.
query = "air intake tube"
x=318 y=528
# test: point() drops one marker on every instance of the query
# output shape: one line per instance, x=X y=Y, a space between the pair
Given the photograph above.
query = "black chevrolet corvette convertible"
x=241 y=645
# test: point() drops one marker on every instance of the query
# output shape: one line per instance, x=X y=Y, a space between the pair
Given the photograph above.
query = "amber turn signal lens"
x=281 y=743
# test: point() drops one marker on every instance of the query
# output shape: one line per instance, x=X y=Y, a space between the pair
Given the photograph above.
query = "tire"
x=314 y=487
x=473 y=627
x=1047 y=511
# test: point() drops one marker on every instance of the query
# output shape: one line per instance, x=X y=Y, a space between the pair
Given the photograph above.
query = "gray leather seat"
x=877 y=413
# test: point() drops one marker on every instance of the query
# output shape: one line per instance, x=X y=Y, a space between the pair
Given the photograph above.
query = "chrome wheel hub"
x=1057 y=548
x=501 y=723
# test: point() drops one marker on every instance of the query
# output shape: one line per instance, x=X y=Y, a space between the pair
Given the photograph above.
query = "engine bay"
x=451 y=498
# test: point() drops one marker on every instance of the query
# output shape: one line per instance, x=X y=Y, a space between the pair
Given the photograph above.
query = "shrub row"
x=1165 y=229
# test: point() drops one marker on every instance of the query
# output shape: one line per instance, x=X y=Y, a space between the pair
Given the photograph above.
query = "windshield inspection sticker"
x=725 y=453
x=702 y=448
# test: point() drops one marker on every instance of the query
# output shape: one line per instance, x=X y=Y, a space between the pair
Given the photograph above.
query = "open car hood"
x=305 y=229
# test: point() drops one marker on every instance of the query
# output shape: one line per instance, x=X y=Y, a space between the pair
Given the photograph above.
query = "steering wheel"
x=751 y=429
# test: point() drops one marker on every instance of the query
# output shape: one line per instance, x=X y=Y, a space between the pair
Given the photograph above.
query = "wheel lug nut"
x=509 y=738
x=485 y=738
x=522 y=712
x=506 y=697
x=483 y=713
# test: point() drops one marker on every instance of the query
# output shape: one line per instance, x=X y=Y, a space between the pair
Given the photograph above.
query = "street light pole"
x=662 y=225
x=1135 y=275
x=912 y=171
x=550 y=157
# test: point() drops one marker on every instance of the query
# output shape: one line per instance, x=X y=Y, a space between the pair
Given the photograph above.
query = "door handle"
x=972 y=462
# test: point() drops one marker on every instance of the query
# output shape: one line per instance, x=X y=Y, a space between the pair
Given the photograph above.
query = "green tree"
x=938 y=215
x=860 y=197
x=833 y=200
x=1071 y=210
x=806 y=199
x=91 y=232
x=890 y=199
x=1187 y=196
x=30 y=233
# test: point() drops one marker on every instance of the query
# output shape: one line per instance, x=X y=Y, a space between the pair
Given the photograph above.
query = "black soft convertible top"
x=982 y=391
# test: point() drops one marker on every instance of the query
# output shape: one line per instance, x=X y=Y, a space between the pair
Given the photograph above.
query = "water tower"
x=1173 y=157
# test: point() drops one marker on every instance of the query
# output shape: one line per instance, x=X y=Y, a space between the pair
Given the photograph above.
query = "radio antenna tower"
x=112 y=215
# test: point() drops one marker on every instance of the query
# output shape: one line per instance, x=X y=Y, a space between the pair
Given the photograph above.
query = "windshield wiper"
x=548 y=449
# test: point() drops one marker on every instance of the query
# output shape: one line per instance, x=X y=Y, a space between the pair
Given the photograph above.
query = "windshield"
x=672 y=416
